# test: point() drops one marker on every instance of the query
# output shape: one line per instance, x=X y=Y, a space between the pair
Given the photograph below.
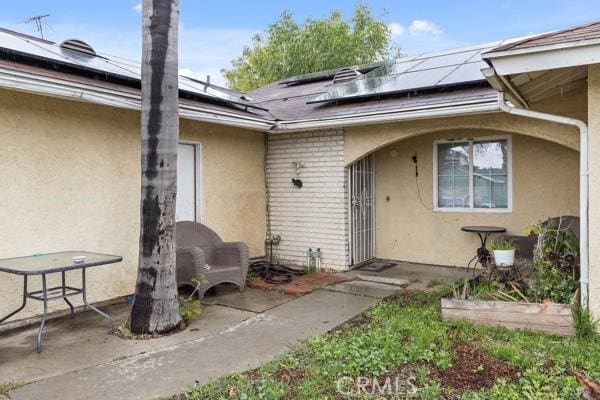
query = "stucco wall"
x=594 y=180
x=233 y=194
x=361 y=140
x=545 y=183
x=70 y=180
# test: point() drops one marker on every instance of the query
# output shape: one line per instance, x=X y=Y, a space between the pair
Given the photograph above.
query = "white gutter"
x=501 y=84
x=583 y=182
x=54 y=87
x=422 y=112
x=191 y=112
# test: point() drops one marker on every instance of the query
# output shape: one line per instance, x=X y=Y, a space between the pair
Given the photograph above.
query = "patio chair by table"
x=525 y=245
x=45 y=264
x=203 y=257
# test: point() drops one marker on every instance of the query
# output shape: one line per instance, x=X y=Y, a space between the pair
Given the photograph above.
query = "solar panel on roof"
x=392 y=68
x=468 y=72
x=196 y=87
x=423 y=71
x=105 y=64
x=327 y=74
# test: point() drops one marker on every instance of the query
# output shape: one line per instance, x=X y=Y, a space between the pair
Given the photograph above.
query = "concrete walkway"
x=95 y=365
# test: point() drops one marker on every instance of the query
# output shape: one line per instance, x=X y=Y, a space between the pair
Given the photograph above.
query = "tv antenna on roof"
x=39 y=24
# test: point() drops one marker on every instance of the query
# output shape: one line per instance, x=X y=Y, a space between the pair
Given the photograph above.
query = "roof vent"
x=345 y=75
x=79 y=46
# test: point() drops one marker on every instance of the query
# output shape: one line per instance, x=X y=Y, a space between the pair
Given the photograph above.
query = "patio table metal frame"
x=51 y=263
x=482 y=255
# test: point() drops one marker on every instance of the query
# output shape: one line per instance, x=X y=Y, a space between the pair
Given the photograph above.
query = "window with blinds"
x=473 y=174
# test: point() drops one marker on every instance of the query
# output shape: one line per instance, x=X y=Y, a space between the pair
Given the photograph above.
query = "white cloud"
x=396 y=29
x=423 y=27
x=137 y=7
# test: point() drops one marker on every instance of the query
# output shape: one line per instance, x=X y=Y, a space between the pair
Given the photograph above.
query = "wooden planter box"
x=550 y=318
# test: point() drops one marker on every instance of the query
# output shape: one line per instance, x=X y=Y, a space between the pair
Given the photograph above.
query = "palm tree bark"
x=156 y=308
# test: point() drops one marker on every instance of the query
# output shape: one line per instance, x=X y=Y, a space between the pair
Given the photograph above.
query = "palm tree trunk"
x=156 y=308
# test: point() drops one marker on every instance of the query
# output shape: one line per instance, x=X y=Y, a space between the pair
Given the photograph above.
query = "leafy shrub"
x=555 y=271
x=190 y=308
x=483 y=287
x=549 y=283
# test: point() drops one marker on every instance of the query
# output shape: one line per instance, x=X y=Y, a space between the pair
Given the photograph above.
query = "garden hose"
x=274 y=273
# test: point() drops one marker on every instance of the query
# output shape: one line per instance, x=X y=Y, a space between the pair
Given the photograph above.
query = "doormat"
x=376 y=266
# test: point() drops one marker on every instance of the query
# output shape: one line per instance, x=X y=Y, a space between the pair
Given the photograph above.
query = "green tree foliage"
x=289 y=48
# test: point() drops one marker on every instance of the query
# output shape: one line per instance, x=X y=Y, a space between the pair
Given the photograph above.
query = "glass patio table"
x=44 y=264
x=482 y=255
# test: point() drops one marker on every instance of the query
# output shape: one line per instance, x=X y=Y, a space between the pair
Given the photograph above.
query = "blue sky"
x=214 y=32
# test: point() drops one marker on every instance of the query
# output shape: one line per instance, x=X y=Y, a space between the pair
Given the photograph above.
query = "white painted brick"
x=315 y=215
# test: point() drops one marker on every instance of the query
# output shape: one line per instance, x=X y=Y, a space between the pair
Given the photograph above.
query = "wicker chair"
x=201 y=250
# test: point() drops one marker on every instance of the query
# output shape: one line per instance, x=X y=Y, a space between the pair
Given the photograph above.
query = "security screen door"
x=187 y=183
x=361 y=183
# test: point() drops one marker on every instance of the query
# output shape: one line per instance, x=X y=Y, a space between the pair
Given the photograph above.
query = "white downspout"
x=583 y=182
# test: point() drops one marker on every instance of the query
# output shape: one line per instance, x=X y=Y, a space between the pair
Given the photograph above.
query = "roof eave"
x=501 y=84
x=562 y=55
x=78 y=91
x=60 y=88
x=453 y=109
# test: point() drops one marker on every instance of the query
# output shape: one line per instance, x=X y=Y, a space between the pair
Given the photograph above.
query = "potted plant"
x=504 y=252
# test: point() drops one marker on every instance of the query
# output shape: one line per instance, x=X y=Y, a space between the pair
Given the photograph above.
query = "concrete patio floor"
x=239 y=331
x=413 y=275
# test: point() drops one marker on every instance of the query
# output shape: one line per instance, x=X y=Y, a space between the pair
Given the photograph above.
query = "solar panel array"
x=105 y=64
x=327 y=74
x=423 y=71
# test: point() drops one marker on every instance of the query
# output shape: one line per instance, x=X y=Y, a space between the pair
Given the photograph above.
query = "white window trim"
x=199 y=179
x=471 y=209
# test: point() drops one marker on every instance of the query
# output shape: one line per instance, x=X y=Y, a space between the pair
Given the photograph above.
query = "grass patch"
x=434 y=282
x=6 y=388
x=586 y=325
x=403 y=340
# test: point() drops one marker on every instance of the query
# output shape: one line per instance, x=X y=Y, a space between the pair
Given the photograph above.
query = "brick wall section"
x=314 y=216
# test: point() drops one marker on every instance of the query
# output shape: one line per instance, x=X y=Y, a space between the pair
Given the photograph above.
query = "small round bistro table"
x=482 y=256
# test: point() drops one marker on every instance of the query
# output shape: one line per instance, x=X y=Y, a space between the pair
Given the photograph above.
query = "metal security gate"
x=361 y=184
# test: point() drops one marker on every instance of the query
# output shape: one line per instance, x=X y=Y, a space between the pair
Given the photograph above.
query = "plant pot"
x=504 y=258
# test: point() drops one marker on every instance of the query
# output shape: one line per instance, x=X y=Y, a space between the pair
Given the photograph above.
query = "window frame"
x=471 y=208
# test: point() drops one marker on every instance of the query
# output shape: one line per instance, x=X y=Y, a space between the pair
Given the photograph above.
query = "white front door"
x=188 y=195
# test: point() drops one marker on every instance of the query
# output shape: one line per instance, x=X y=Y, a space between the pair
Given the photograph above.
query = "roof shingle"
x=579 y=33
